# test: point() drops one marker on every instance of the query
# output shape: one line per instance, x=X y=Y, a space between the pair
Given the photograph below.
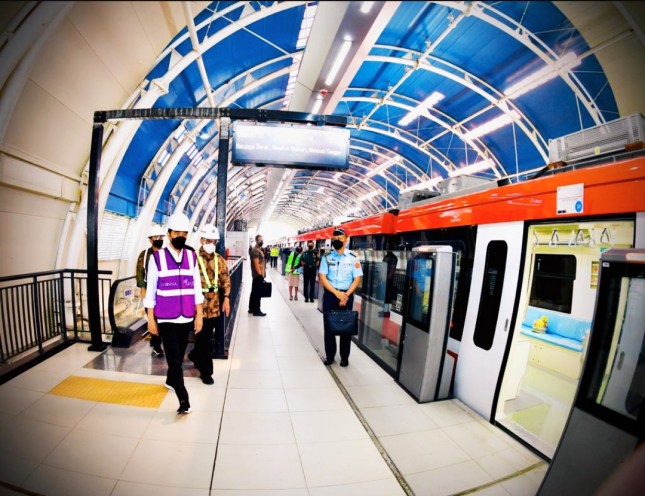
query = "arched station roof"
x=431 y=90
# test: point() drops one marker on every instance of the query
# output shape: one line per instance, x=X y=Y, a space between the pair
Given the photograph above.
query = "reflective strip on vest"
x=205 y=274
x=175 y=287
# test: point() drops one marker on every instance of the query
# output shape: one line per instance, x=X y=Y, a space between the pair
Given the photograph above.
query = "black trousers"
x=330 y=302
x=254 y=298
x=309 y=276
x=202 y=354
x=175 y=341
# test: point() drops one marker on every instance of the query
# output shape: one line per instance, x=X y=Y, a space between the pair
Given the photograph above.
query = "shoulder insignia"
x=357 y=265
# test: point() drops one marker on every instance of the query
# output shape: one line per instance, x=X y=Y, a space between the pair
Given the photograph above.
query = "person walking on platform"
x=275 y=253
x=310 y=266
x=215 y=281
x=156 y=243
x=293 y=270
x=174 y=302
x=258 y=273
x=340 y=274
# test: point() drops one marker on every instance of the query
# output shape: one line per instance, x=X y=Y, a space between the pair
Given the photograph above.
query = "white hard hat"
x=209 y=231
x=178 y=222
x=156 y=231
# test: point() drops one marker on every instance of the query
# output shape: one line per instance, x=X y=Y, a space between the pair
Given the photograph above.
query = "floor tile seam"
x=19 y=489
x=232 y=346
x=380 y=448
x=116 y=480
x=380 y=479
x=500 y=480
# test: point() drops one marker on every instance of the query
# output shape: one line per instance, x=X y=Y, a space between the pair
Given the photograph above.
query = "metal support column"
x=222 y=180
x=93 y=308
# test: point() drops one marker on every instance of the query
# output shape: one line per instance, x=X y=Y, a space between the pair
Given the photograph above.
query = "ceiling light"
x=383 y=166
x=366 y=6
x=342 y=53
x=424 y=185
x=538 y=78
x=422 y=108
x=472 y=168
x=317 y=105
x=492 y=125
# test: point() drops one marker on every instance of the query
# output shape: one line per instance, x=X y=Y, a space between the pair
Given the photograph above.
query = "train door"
x=493 y=289
x=425 y=369
x=551 y=331
x=608 y=418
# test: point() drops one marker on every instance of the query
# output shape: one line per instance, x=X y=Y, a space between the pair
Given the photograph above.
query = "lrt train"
x=511 y=333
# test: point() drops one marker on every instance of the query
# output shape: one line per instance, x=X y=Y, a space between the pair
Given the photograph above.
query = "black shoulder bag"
x=341 y=322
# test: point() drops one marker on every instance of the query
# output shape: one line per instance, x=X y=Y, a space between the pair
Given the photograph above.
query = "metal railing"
x=42 y=310
x=235 y=271
x=41 y=307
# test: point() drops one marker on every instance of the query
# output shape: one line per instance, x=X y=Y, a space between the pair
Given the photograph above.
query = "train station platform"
x=276 y=422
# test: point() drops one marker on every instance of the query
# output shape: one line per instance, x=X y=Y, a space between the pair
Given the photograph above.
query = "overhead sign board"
x=306 y=147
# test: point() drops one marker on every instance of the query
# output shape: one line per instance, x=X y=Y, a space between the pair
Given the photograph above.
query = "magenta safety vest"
x=175 y=295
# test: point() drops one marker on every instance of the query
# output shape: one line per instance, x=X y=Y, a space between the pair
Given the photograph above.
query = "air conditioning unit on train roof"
x=409 y=197
x=461 y=183
x=614 y=136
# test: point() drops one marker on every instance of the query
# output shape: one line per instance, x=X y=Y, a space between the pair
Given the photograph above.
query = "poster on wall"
x=570 y=199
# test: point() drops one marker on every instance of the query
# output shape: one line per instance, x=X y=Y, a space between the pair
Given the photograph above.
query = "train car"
x=527 y=259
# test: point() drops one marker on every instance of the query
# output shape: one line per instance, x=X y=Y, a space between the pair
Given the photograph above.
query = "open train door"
x=497 y=267
x=608 y=419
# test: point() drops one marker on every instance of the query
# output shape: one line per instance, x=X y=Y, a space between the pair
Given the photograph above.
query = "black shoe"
x=328 y=361
x=306 y=300
x=208 y=380
x=259 y=314
x=344 y=363
x=184 y=408
x=157 y=353
x=221 y=357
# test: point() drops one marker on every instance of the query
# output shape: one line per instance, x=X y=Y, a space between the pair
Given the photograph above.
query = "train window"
x=491 y=294
x=420 y=292
x=620 y=380
x=553 y=278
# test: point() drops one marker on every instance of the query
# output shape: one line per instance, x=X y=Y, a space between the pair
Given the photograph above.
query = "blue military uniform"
x=341 y=270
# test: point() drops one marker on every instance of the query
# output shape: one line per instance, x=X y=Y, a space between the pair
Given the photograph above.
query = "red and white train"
x=524 y=287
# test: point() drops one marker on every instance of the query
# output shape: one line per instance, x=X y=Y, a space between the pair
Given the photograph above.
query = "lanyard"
x=208 y=281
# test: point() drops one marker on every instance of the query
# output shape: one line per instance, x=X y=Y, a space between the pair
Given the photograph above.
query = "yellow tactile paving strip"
x=105 y=391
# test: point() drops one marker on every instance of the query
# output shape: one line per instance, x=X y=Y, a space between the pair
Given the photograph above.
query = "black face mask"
x=311 y=247
x=337 y=244
x=260 y=243
x=157 y=243
x=179 y=242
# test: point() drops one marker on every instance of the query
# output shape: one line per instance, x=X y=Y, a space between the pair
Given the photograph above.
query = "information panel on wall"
x=280 y=145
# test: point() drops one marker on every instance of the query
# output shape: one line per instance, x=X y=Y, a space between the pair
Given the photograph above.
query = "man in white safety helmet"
x=216 y=286
x=155 y=237
x=174 y=302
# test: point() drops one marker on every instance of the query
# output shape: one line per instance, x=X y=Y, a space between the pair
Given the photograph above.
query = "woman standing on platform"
x=174 y=302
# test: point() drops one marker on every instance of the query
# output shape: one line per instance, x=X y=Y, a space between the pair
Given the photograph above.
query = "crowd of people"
x=187 y=290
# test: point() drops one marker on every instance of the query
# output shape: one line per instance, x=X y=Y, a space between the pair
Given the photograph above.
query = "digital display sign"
x=306 y=147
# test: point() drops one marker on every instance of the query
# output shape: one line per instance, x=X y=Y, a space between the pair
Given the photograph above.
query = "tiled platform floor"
x=276 y=422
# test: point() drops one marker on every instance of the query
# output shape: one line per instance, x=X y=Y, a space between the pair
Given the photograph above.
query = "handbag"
x=265 y=289
x=341 y=322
